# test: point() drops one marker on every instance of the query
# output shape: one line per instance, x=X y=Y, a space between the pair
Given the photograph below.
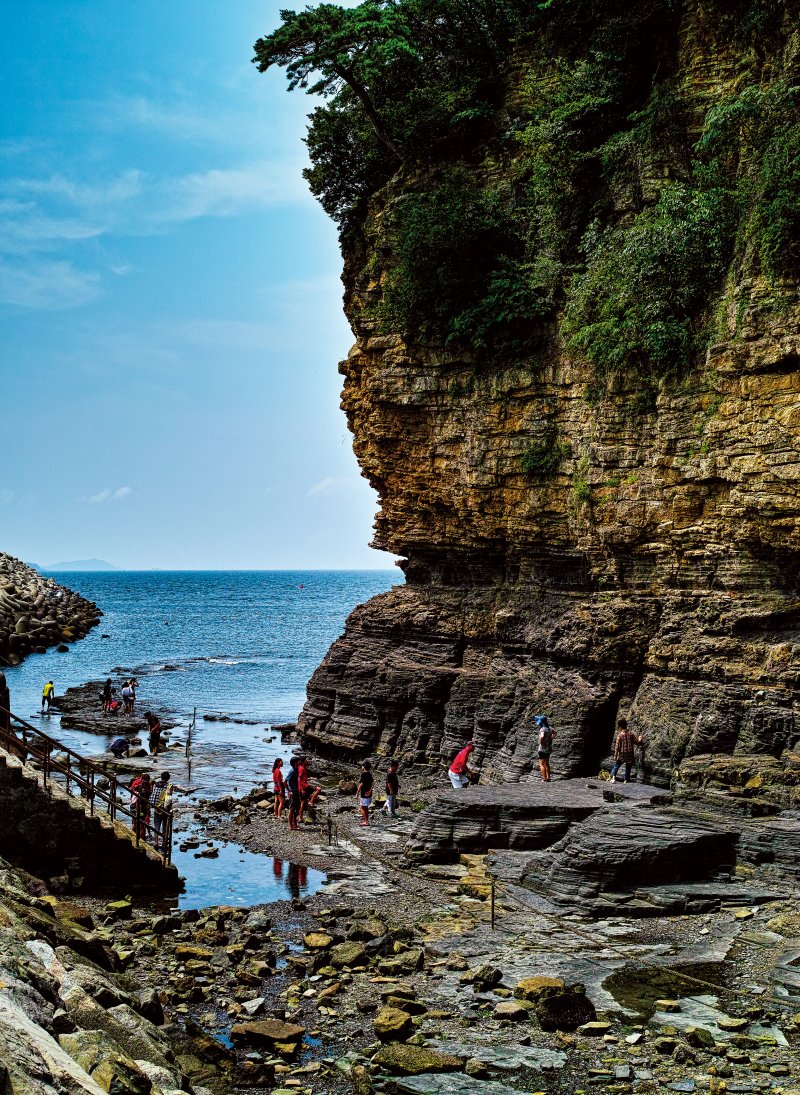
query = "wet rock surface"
x=81 y=709
x=393 y=978
x=36 y=613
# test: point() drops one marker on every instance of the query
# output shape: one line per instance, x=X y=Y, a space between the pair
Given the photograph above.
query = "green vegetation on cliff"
x=545 y=166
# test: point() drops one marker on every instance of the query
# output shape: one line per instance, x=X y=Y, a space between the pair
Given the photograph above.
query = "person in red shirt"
x=460 y=773
x=308 y=794
x=279 y=787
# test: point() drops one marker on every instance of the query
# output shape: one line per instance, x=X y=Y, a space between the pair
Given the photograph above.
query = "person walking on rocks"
x=392 y=790
x=624 y=750
x=127 y=698
x=293 y=790
x=161 y=807
x=108 y=692
x=459 y=772
x=364 y=792
x=279 y=787
x=546 y=735
x=47 y=695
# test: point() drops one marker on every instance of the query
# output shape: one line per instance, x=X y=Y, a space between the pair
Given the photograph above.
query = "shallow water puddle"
x=242 y=878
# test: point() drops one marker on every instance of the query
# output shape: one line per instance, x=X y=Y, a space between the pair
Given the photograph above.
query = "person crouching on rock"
x=120 y=747
x=278 y=787
x=546 y=735
x=624 y=750
x=293 y=791
x=364 y=792
x=461 y=775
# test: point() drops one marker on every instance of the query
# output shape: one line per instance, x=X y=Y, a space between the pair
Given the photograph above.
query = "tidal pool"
x=241 y=878
x=637 y=988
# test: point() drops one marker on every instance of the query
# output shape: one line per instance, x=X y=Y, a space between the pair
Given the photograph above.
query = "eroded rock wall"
x=654 y=573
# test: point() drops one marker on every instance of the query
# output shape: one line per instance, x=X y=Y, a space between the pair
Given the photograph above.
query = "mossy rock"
x=408 y=1060
x=532 y=988
x=347 y=954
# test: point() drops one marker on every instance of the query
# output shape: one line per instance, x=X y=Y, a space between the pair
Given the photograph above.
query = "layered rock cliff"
x=36 y=612
x=579 y=540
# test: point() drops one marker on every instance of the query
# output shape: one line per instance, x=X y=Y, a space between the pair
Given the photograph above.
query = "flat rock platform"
x=519 y=816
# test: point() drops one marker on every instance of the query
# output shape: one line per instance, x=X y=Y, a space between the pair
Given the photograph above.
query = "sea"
x=228 y=654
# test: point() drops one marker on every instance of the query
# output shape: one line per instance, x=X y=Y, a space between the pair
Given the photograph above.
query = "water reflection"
x=296 y=877
x=236 y=876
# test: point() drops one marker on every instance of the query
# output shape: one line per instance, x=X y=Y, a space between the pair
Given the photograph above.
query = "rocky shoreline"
x=37 y=613
x=485 y=971
x=403 y=987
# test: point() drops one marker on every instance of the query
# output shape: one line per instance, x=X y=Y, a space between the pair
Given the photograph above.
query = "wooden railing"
x=96 y=784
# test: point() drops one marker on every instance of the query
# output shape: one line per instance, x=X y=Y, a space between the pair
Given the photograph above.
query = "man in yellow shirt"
x=47 y=695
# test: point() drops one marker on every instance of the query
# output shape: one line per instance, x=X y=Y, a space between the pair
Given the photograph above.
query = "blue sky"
x=169 y=298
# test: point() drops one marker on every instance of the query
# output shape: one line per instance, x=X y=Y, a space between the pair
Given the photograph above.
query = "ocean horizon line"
x=229 y=570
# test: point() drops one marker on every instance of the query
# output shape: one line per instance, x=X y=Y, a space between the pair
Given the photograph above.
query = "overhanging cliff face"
x=651 y=569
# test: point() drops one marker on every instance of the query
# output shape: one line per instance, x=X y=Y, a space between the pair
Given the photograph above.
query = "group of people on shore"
x=151 y=807
x=124 y=706
x=295 y=790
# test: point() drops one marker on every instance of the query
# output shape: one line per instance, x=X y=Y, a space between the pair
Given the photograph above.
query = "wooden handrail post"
x=5 y=706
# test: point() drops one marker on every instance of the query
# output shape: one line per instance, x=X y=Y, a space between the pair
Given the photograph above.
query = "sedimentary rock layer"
x=36 y=613
x=653 y=572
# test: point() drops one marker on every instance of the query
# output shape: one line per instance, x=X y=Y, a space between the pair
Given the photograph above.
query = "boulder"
x=564 y=1010
x=317 y=941
x=347 y=954
x=392 y=1025
x=267 y=1032
x=482 y=978
x=531 y=988
x=408 y=1060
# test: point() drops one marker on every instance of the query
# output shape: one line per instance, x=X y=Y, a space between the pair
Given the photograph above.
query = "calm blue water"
x=236 y=643
x=239 y=641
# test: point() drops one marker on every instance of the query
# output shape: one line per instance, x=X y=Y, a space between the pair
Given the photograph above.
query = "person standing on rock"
x=624 y=750
x=308 y=794
x=459 y=772
x=127 y=698
x=392 y=790
x=108 y=692
x=364 y=792
x=278 y=786
x=155 y=742
x=47 y=695
x=546 y=735
x=294 y=793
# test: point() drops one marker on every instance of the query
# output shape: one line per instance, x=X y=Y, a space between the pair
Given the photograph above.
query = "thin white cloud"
x=109 y=495
x=224 y=192
x=108 y=192
x=324 y=486
x=46 y=284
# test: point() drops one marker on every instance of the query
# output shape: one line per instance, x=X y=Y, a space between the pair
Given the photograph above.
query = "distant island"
x=77 y=564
